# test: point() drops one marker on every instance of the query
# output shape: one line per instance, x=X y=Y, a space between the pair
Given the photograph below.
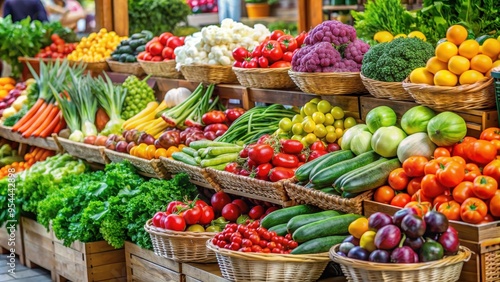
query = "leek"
x=110 y=98
x=86 y=104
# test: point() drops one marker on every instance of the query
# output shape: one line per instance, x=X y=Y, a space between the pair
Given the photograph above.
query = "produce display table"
x=46 y=143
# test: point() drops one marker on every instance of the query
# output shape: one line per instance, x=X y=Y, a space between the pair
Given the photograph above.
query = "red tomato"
x=484 y=187
x=192 y=215
x=213 y=117
x=280 y=64
x=207 y=215
x=164 y=37
x=231 y=212
x=431 y=167
x=473 y=210
x=398 y=179
x=440 y=200
x=463 y=191
x=257 y=51
x=174 y=222
x=450 y=209
x=431 y=187
x=156 y=48
x=148 y=45
x=419 y=197
x=237 y=64
x=157 y=218
x=219 y=200
x=156 y=59
x=291 y=146
x=493 y=169
x=451 y=174
x=487 y=219
x=400 y=200
x=256 y=212
x=174 y=42
x=263 y=62
x=54 y=37
x=318 y=145
x=240 y=54
x=287 y=43
x=471 y=172
x=414 y=185
x=141 y=55
x=420 y=207
x=272 y=51
x=481 y=152
x=491 y=133
x=175 y=207
x=300 y=38
x=287 y=56
x=232 y=167
x=275 y=34
x=384 y=194
x=285 y=160
x=495 y=204
x=261 y=153
x=167 y=53
x=200 y=203
x=242 y=205
x=441 y=152
x=262 y=170
x=280 y=173
x=316 y=154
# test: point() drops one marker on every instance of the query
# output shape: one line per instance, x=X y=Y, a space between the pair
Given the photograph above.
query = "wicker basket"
x=160 y=69
x=181 y=246
x=447 y=269
x=267 y=78
x=196 y=174
x=387 y=90
x=241 y=266
x=325 y=201
x=328 y=83
x=212 y=74
x=90 y=153
x=129 y=68
x=152 y=167
x=250 y=187
x=479 y=95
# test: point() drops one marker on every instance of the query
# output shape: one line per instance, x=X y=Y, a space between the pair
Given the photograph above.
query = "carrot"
x=34 y=117
x=49 y=129
x=38 y=120
x=38 y=154
x=45 y=155
x=60 y=125
x=48 y=121
x=28 y=115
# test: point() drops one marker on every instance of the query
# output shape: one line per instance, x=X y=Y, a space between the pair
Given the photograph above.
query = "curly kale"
x=393 y=61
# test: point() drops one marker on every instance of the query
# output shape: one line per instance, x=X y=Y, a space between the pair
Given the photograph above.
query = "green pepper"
x=242 y=219
x=220 y=222
x=431 y=250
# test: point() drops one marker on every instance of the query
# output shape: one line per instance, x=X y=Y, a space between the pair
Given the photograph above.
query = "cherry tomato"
x=219 y=200
x=231 y=212
x=256 y=212
x=232 y=167
x=175 y=206
x=263 y=62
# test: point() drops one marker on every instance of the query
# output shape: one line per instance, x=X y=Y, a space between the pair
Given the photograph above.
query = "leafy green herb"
x=157 y=16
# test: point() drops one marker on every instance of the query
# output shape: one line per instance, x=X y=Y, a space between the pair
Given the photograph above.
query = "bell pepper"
x=367 y=241
x=430 y=251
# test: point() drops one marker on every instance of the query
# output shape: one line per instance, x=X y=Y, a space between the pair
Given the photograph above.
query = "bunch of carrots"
x=45 y=117
x=34 y=155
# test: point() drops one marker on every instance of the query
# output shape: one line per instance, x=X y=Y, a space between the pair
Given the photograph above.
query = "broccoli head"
x=334 y=32
x=394 y=61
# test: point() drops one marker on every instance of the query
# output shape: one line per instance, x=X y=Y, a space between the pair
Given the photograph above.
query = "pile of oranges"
x=6 y=84
x=459 y=60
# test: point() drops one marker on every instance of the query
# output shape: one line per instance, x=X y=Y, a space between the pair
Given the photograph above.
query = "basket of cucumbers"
x=124 y=58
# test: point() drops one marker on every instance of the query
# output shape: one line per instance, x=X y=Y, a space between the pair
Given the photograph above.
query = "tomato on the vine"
x=285 y=160
x=290 y=146
x=192 y=215
x=175 y=207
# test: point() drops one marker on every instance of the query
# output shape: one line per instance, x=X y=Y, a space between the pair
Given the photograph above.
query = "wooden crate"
x=477 y=120
x=144 y=265
x=16 y=244
x=96 y=261
x=198 y=272
x=38 y=245
x=483 y=240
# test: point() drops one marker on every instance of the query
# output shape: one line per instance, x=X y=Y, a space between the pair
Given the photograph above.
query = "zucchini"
x=340 y=180
x=125 y=50
x=344 y=155
x=370 y=178
x=220 y=159
x=137 y=36
x=141 y=48
x=190 y=151
x=318 y=245
x=123 y=57
x=148 y=34
x=280 y=229
x=285 y=214
x=207 y=143
x=327 y=227
x=328 y=175
x=300 y=220
x=303 y=172
x=185 y=158
x=131 y=59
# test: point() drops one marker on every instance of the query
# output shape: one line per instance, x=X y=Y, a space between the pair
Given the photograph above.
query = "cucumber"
x=190 y=151
x=370 y=178
x=348 y=195
x=300 y=220
x=318 y=245
x=302 y=173
x=280 y=229
x=185 y=158
x=327 y=227
x=328 y=175
x=344 y=155
x=330 y=190
x=340 y=180
x=285 y=214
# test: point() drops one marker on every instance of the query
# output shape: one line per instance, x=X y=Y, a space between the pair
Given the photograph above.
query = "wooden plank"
x=107 y=19
x=285 y=97
x=105 y=258
x=147 y=271
x=302 y=16
x=203 y=272
x=112 y=271
x=120 y=17
x=99 y=13
x=98 y=247
x=133 y=249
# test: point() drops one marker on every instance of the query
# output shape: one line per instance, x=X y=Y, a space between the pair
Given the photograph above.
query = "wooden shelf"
x=340 y=7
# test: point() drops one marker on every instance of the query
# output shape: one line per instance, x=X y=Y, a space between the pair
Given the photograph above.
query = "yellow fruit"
x=496 y=64
x=491 y=48
x=445 y=51
x=402 y=35
x=417 y=34
x=468 y=48
x=470 y=77
x=481 y=63
x=456 y=34
x=421 y=75
x=434 y=65
x=445 y=78
x=458 y=64
x=383 y=36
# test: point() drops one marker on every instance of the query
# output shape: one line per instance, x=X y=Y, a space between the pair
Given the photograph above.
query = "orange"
x=3 y=93
x=160 y=152
x=434 y=65
x=421 y=75
x=456 y=34
x=445 y=78
x=470 y=76
x=150 y=152
x=445 y=51
x=468 y=48
x=458 y=64
x=491 y=48
x=481 y=63
x=496 y=64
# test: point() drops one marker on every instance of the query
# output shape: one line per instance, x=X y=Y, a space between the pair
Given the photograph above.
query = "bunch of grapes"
x=139 y=94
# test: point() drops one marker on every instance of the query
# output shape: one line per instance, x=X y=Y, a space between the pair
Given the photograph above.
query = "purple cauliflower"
x=316 y=58
x=346 y=65
x=333 y=32
x=356 y=50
